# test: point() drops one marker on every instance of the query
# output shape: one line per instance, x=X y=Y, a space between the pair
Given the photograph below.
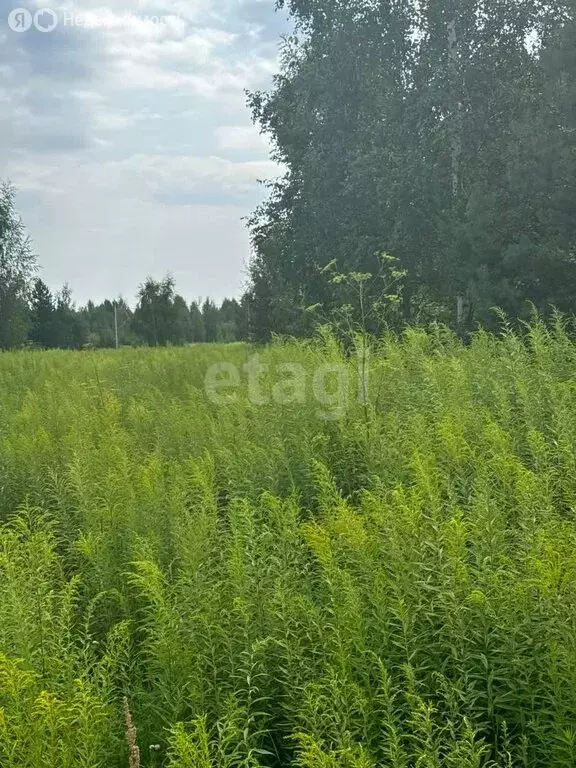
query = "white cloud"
x=132 y=144
x=141 y=176
x=242 y=137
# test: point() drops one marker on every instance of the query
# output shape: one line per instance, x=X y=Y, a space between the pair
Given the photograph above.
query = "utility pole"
x=249 y=329
x=116 y=324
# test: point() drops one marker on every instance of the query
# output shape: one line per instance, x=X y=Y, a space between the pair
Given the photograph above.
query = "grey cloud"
x=54 y=141
x=66 y=54
x=212 y=194
x=44 y=115
x=271 y=24
x=76 y=104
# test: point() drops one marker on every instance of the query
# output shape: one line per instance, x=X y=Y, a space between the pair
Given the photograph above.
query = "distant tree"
x=14 y=318
x=181 y=328
x=155 y=316
x=70 y=329
x=229 y=320
x=43 y=315
x=210 y=317
x=17 y=266
x=244 y=317
x=197 y=335
x=124 y=317
x=99 y=320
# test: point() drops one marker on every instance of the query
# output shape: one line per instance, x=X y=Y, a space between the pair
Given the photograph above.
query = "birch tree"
x=18 y=264
x=414 y=129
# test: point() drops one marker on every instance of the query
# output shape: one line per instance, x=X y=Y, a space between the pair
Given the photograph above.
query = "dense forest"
x=442 y=133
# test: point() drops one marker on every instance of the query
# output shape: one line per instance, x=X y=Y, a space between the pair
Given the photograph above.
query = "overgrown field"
x=319 y=584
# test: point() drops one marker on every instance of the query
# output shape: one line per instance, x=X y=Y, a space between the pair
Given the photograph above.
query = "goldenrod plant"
x=254 y=578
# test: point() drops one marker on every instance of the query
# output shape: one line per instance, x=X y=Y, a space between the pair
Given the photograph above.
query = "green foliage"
x=17 y=267
x=269 y=586
x=435 y=131
x=161 y=318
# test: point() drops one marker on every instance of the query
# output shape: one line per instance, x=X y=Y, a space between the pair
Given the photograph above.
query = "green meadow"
x=223 y=557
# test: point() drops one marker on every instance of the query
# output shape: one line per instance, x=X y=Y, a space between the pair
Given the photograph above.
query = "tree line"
x=440 y=133
x=30 y=314
x=161 y=317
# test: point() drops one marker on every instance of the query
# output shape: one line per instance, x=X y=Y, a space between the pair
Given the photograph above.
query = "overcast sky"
x=129 y=139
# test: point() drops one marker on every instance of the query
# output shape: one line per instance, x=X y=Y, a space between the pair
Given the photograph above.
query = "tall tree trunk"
x=456 y=141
